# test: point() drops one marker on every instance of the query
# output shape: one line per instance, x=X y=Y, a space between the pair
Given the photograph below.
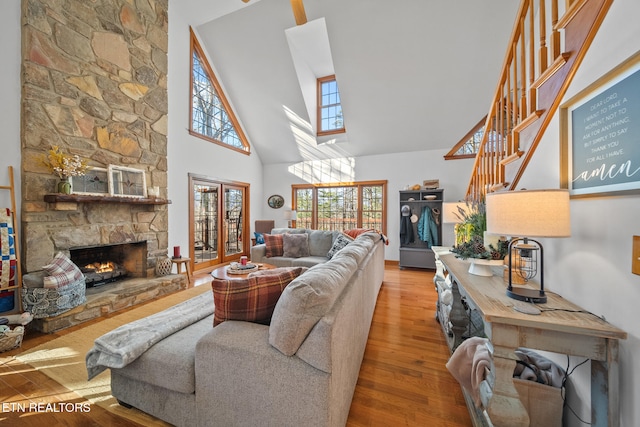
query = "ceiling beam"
x=298 y=12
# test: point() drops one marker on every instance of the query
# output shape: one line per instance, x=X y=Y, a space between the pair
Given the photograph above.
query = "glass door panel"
x=216 y=221
x=205 y=223
x=233 y=210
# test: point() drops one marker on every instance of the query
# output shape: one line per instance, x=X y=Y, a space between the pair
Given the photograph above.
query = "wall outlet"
x=635 y=261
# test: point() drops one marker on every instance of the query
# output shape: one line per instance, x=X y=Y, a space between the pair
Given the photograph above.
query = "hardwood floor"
x=403 y=380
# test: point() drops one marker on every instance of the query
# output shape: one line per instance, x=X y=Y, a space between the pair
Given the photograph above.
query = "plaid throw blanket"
x=123 y=345
x=7 y=250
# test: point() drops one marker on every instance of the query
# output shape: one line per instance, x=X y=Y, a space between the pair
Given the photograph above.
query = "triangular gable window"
x=211 y=115
x=469 y=145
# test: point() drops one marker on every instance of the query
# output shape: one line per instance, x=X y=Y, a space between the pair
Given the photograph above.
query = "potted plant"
x=64 y=166
x=473 y=221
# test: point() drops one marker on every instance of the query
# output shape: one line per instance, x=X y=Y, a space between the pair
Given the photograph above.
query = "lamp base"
x=528 y=295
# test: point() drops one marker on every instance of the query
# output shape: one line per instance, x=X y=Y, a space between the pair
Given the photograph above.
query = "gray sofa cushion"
x=308 y=261
x=306 y=299
x=295 y=245
x=320 y=242
x=171 y=364
x=288 y=230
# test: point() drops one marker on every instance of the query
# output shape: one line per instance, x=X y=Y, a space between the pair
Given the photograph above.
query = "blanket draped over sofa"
x=125 y=344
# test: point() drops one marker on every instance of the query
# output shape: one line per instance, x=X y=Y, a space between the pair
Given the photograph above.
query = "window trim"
x=451 y=155
x=359 y=184
x=196 y=48
x=319 y=107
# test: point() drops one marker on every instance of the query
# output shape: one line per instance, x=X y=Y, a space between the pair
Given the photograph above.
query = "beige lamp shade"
x=529 y=213
x=451 y=212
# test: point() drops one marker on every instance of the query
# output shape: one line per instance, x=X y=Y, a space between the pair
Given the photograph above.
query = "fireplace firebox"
x=104 y=264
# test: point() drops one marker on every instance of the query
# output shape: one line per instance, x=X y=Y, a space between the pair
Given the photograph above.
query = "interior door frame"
x=222 y=256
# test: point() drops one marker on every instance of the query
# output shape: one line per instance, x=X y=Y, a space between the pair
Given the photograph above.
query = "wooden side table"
x=179 y=262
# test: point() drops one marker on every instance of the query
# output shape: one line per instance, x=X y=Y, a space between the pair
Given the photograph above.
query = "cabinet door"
x=417 y=257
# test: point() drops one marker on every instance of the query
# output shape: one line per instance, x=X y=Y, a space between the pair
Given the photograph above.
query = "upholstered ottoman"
x=44 y=302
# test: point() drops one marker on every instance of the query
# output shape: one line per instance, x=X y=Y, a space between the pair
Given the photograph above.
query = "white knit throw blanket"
x=123 y=345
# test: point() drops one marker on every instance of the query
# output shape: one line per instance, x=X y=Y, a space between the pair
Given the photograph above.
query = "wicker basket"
x=163 y=266
x=11 y=339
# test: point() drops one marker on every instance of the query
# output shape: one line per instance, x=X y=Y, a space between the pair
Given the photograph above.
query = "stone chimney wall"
x=94 y=83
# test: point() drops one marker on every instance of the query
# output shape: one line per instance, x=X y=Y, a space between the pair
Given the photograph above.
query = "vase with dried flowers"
x=64 y=166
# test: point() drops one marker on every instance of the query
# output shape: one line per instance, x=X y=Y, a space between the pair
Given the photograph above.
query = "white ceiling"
x=413 y=74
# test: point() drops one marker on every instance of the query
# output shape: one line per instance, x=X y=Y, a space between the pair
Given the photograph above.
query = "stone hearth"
x=110 y=298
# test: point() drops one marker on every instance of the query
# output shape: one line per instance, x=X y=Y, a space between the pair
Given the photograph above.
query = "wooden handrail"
x=542 y=57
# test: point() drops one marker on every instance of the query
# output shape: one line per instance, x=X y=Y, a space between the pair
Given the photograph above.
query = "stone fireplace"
x=94 y=84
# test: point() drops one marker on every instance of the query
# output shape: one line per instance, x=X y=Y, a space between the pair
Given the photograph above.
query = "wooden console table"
x=567 y=329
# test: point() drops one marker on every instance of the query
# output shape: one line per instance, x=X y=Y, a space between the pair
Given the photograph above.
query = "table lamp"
x=290 y=216
x=521 y=215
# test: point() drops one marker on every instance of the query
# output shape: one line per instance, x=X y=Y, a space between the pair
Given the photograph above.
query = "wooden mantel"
x=86 y=198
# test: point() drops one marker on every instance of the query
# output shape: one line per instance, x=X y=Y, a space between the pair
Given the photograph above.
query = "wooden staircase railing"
x=543 y=55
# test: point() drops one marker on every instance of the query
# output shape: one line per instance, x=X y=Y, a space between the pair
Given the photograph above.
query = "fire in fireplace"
x=110 y=263
x=101 y=273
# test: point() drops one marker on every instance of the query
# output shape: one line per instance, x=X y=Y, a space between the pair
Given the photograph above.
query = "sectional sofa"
x=300 y=370
x=319 y=244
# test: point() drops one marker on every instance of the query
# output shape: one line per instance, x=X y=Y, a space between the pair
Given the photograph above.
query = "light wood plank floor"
x=403 y=380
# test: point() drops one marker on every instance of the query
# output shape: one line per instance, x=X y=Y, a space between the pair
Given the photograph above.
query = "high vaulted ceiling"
x=413 y=74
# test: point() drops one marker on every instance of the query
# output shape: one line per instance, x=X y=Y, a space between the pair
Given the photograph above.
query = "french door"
x=217 y=221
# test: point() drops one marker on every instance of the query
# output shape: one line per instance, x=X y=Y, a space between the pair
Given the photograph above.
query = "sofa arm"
x=235 y=363
x=259 y=253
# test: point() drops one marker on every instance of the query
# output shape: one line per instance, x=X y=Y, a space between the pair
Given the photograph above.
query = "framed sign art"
x=600 y=133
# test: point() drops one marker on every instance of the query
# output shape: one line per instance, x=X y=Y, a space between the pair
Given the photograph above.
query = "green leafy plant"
x=473 y=217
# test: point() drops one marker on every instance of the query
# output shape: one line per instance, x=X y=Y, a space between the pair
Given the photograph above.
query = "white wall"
x=187 y=154
x=399 y=170
x=10 y=90
x=593 y=267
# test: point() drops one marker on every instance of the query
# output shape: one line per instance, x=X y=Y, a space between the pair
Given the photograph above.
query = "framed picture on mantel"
x=127 y=182
x=94 y=182
x=600 y=135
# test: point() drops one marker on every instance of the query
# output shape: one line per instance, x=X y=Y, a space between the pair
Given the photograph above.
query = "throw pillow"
x=341 y=241
x=59 y=280
x=274 y=245
x=259 y=238
x=295 y=245
x=253 y=298
x=62 y=271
